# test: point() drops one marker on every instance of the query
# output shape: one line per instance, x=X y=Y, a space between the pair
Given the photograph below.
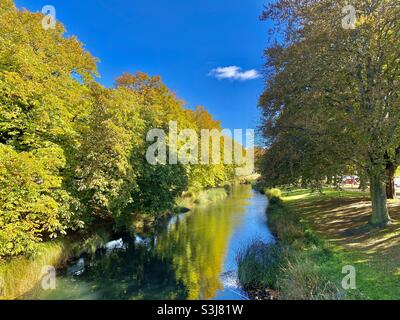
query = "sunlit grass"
x=20 y=275
x=341 y=218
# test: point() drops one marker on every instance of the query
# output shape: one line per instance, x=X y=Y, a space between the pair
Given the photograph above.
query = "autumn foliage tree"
x=40 y=108
x=72 y=152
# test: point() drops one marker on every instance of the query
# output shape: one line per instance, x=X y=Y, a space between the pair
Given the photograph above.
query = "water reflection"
x=192 y=257
x=198 y=244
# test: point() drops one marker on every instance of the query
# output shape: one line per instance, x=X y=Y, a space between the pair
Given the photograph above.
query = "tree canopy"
x=72 y=152
x=331 y=100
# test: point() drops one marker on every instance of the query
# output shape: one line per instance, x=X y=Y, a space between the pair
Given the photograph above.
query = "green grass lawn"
x=341 y=218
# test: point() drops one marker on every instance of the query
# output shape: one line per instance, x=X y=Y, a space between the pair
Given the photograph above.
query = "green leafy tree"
x=41 y=103
x=105 y=175
x=72 y=152
x=32 y=201
x=332 y=93
x=158 y=185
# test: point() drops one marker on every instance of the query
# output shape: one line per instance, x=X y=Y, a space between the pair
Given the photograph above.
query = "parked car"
x=349 y=180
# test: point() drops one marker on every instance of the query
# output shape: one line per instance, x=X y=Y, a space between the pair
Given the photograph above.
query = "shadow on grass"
x=343 y=220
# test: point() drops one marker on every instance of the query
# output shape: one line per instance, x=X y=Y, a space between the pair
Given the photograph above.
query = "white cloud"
x=234 y=73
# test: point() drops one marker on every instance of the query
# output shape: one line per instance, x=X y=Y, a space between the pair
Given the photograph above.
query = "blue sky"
x=184 y=41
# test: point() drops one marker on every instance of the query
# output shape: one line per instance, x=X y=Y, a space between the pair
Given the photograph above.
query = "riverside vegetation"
x=290 y=268
x=308 y=258
x=330 y=108
x=72 y=152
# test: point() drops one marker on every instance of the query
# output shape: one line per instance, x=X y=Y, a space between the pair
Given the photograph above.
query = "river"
x=192 y=256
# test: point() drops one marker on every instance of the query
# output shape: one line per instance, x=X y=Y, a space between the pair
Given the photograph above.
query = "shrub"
x=259 y=186
x=258 y=265
x=289 y=232
x=274 y=195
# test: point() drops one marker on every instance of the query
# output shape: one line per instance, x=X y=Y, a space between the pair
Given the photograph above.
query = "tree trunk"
x=337 y=182
x=380 y=213
x=363 y=183
x=390 y=186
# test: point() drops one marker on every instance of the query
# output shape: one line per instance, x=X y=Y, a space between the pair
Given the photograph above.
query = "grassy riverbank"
x=21 y=274
x=318 y=234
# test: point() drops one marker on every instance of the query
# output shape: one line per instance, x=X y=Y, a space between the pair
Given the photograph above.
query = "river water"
x=192 y=256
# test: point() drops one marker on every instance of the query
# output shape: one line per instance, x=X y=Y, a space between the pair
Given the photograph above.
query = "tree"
x=72 y=152
x=32 y=201
x=105 y=176
x=41 y=105
x=158 y=185
x=336 y=89
x=208 y=175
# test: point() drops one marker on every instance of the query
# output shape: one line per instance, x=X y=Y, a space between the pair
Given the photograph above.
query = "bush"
x=258 y=265
x=300 y=279
x=289 y=232
x=274 y=195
